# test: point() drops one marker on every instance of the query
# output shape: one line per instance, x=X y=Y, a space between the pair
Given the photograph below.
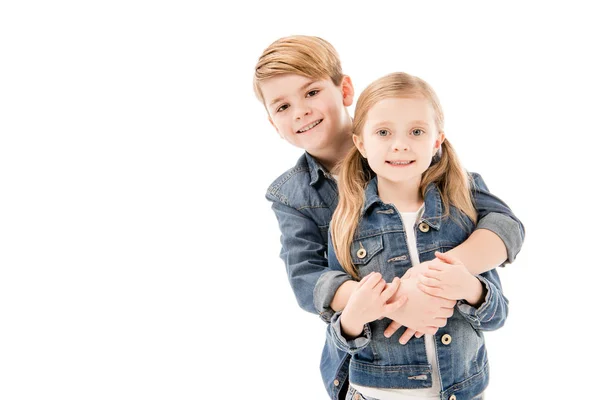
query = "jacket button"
x=423 y=227
x=336 y=383
x=361 y=253
x=453 y=397
x=447 y=339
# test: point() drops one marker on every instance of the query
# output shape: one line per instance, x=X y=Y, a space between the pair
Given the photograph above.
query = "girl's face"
x=399 y=139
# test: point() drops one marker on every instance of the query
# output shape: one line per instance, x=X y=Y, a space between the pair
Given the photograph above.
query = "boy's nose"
x=302 y=111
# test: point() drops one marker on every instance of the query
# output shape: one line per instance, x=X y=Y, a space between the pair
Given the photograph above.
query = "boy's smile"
x=309 y=113
x=309 y=126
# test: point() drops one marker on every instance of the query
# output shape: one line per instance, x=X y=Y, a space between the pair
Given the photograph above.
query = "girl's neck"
x=405 y=196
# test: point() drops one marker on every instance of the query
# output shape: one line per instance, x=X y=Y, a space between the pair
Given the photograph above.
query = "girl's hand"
x=450 y=279
x=368 y=302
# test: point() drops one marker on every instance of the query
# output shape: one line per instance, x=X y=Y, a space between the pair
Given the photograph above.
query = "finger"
x=447 y=258
x=430 y=330
x=391 y=329
x=440 y=322
x=419 y=334
x=433 y=274
x=364 y=279
x=431 y=282
x=380 y=286
x=407 y=274
x=393 y=306
x=371 y=280
x=446 y=312
x=391 y=289
x=434 y=291
x=445 y=303
x=408 y=333
x=438 y=266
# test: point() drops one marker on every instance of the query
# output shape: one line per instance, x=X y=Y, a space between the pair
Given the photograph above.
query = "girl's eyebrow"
x=302 y=88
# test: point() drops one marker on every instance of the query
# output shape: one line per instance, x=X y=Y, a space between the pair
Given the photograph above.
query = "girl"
x=404 y=198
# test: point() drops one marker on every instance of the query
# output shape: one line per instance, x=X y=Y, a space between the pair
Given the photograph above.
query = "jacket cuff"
x=507 y=229
x=324 y=292
x=480 y=314
x=350 y=346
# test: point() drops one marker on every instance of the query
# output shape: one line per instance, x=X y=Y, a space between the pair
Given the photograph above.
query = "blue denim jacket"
x=304 y=199
x=382 y=362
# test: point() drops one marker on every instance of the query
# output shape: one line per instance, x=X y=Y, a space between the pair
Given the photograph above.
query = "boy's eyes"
x=312 y=93
x=282 y=107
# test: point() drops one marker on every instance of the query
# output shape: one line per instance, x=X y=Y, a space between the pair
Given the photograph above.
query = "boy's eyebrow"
x=302 y=88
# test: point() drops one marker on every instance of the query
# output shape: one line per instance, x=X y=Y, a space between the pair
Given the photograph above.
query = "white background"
x=138 y=255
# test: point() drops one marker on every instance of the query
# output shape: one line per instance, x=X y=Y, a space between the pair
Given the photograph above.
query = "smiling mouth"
x=309 y=126
x=400 y=163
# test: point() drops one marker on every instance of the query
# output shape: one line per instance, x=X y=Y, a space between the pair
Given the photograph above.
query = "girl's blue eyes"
x=414 y=132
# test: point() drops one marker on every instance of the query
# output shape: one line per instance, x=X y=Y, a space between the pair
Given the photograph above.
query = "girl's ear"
x=347 y=91
x=438 y=142
x=360 y=145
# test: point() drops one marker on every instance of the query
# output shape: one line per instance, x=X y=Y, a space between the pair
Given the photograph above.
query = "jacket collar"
x=316 y=170
x=432 y=214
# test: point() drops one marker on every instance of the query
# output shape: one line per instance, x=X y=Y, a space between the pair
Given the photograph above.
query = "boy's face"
x=399 y=139
x=308 y=113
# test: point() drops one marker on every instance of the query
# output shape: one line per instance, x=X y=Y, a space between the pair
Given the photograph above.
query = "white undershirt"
x=409 y=220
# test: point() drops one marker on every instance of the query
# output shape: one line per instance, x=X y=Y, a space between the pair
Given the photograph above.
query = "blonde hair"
x=355 y=173
x=308 y=56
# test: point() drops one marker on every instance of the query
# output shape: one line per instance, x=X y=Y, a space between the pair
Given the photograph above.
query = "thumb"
x=447 y=258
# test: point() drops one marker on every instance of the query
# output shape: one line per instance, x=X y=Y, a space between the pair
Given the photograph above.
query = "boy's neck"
x=330 y=158
x=405 y=196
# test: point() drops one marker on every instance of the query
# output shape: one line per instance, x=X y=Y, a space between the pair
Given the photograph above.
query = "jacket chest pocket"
x=366 y=254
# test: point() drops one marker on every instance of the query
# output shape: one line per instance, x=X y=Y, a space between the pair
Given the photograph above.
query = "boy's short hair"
x=309 y=56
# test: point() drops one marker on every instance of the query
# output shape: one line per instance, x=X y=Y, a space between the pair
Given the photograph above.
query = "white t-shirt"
x=409 y=219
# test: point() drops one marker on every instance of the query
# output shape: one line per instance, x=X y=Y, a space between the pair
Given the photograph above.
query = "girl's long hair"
x=354 y=172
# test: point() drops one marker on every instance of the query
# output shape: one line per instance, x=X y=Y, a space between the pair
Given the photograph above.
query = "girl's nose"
x=400 y=144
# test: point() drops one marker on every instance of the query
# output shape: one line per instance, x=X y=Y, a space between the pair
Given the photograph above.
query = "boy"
x=299 y=80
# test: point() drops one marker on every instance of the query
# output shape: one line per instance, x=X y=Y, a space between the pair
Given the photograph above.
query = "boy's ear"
x=271 y=121
x=358 y=142
x=347 y=91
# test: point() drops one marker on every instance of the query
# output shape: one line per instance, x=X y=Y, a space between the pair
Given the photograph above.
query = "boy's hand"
x=450 y=279
x=423 y=313
x=370 y=300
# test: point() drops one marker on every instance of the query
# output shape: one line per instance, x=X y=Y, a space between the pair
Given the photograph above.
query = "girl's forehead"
x=401 y=108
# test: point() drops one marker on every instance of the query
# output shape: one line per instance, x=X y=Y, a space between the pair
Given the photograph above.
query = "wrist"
x=351 y=327
x=475 y=293
x=340 y=299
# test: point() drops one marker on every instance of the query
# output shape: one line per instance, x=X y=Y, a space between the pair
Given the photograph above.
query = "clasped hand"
x=422 y=300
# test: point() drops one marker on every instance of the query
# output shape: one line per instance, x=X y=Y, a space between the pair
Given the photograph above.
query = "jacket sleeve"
x=494 y=215
x=304 y=253
x=492 y=313
x=350 y=346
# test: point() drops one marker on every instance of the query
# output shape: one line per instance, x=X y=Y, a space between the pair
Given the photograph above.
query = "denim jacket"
x=304 y=199
x=382 y=362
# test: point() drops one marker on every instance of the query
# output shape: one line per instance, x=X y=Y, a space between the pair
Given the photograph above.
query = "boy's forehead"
x=278 y=87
